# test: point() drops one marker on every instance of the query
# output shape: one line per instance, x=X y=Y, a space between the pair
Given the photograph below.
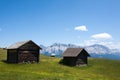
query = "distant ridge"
x=96 y=50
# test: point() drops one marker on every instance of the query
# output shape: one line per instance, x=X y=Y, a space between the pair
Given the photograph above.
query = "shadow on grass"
x=5 y=61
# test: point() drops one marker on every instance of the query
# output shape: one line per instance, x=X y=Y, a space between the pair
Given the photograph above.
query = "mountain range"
x=96 y=50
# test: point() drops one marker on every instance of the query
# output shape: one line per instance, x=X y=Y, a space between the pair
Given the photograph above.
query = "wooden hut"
x=75 y=56
x=25 y=51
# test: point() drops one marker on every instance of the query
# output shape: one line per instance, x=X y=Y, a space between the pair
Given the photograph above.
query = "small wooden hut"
x=25 y=51
x=75 y=56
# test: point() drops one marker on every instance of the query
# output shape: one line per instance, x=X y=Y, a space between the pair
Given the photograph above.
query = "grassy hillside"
x=50 y=69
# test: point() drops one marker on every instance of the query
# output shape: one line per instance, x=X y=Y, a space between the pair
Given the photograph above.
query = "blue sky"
x=81 y=22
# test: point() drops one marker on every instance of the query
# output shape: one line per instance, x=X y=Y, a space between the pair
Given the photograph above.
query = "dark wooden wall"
x=70 y=61
x=12 y=56
x=82 y=58
x=28 y=56
x=29 y=53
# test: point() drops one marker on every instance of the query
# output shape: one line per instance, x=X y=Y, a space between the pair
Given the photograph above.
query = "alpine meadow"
x=49 y=69
x=39 y=39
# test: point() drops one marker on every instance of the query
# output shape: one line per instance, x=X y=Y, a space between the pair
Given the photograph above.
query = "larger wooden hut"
x=25 y=51
x=75 y=56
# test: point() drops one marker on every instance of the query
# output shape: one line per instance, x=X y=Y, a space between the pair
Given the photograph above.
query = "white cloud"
x=94 y=41
x=81 y=28
x=90 y=42
x=103 y=39
x=109 y=43
x=102 y=36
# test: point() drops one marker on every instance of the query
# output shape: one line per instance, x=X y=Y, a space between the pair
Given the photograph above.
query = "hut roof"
x=73 y=52
x=19 y=44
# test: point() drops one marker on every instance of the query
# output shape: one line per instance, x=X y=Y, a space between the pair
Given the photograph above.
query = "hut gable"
x=25 y=51
x=19 y=45
x=75 y=56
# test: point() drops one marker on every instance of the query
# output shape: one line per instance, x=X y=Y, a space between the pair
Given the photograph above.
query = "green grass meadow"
x=49 y=69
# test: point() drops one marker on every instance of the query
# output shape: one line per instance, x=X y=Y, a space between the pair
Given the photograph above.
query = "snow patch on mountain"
x=98 y=49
